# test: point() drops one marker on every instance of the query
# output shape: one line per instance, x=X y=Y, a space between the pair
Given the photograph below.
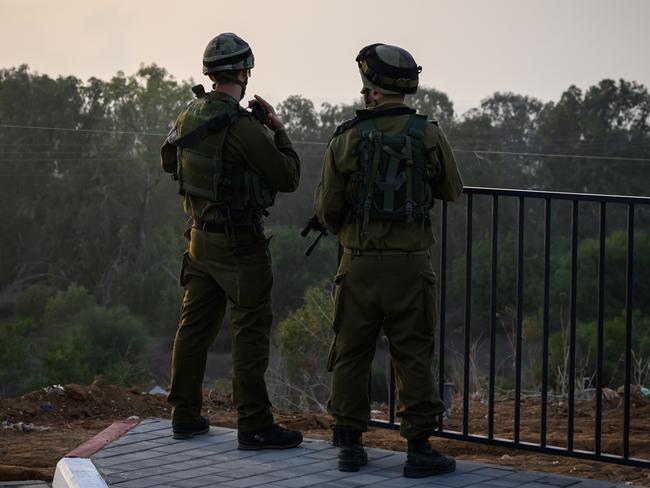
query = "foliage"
x=31 y=302
x=303 y=339
x=614 y=339
x=293 y=272
x=85 y=339
x=15 y=351
x=94 y=218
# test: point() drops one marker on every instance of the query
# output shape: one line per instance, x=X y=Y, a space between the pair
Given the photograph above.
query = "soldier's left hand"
x=273 y=122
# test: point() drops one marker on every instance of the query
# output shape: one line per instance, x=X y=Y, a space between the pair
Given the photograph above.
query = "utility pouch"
x=168 y=156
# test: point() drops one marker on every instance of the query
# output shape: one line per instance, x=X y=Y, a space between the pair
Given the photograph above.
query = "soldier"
x=229 y=166
x=381 y=173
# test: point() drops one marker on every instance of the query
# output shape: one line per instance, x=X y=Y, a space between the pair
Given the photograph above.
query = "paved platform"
x=147 y=456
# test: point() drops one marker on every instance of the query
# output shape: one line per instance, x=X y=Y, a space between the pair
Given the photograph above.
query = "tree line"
x=92 y=229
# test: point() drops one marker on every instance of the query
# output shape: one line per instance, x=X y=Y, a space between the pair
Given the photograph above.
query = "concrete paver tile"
x=117 y=449
x=141 y=473
x=559 y=481
x=497 y=482
x=211 y=480
x=307 y=480
x=523 y=477
x=324 y=454
x=462 y=479
x=307 y=469
x=535 y=484
x=315 y=445
x=148 y=456
x=175 y=448
x=376 y=454
x=257 y=480
x=152 y=481
x=492 y=472
x=297 y=461
x=196 y=472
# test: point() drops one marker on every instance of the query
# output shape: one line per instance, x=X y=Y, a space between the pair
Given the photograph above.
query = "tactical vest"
x=393 y=173
x=202 y=169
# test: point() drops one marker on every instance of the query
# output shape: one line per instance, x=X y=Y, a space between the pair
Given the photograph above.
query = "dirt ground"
x=41 y=427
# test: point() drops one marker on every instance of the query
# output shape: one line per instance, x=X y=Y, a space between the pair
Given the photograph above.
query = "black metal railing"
x=550 y=200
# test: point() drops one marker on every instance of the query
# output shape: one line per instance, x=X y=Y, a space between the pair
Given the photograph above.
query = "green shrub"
x=31 y=302
x=15 y=355
x=66 y=304
x=86 y=339
x=303 y=340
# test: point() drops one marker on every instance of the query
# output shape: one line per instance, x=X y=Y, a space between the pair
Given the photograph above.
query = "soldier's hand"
x=273 y=122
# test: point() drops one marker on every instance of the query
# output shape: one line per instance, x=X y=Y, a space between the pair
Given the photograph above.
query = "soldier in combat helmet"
x=229 y=164
x=381 y=173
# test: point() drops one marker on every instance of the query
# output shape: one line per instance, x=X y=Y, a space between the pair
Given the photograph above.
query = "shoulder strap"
x=416 y=126
x=371 y=114
x=212 y=126
x=366 y=126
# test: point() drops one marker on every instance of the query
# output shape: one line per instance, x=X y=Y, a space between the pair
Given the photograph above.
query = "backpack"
x=393 y=173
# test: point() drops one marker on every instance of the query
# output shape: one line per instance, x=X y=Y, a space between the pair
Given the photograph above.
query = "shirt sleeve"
x=329 y=201
x=448 y=185
x=273 y=158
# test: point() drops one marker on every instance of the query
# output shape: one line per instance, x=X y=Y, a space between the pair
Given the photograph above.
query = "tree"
x=433 y=103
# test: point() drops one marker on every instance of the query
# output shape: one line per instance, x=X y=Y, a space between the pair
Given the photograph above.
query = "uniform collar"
x=383 y=105
x=224 y=97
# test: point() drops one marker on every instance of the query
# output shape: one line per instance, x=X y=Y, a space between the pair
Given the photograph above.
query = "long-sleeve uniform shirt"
x=337 y=192
x=248 y=142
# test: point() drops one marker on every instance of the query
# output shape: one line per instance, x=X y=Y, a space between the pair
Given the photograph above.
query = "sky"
x=468 y=48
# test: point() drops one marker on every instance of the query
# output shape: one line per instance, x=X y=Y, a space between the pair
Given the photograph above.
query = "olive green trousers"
x=213 y=276
x=396 y=292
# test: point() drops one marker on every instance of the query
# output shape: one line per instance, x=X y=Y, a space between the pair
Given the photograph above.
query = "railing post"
x=628 y=328
x=520 y=311
x=443 y=305
x=468 y=313
x=493 y=313
x=573 y=323
x=546 y=325
x=601 y=328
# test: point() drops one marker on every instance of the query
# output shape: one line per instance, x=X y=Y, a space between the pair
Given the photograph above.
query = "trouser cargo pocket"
x=338 y=311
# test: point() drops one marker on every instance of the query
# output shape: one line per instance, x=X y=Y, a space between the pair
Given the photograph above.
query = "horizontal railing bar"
x=527 y=446
x=583 y=197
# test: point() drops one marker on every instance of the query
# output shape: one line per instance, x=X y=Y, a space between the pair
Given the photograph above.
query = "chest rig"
x=202 y=170
x=393 y=170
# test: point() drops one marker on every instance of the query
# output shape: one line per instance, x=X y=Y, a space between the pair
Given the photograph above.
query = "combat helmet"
x=388 y=69
x=227 y=52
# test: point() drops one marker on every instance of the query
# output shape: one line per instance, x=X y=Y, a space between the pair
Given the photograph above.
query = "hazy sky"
x=468 y=48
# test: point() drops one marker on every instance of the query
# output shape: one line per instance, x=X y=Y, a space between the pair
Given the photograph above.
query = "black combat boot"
x=187 y=430
x=422 y=460
x=352 y=454
x=274 y=437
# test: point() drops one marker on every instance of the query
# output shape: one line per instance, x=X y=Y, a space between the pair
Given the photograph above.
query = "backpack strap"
x=368 y=130
x=371 y=114
x=414 y=128
x=192 y=138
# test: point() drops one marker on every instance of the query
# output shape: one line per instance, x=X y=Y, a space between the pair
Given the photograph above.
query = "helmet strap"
x=236 y=81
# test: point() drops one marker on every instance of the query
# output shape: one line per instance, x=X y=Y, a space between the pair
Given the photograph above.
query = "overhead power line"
x=319 y=143
x=70 y=129
x=552 y=155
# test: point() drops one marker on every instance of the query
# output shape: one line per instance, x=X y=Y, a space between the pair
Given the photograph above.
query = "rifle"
x=313 y=224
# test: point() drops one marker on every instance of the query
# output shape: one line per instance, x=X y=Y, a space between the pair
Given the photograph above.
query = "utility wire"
x=551 y=155
x=70 y=129
x=319 y=143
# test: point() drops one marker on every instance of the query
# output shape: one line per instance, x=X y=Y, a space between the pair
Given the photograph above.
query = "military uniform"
x=228 y=177
x=385 y=279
